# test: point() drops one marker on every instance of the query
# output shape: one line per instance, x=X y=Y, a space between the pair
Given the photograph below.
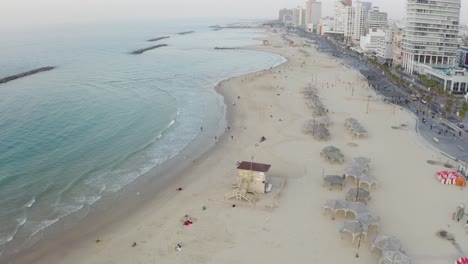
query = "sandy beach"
x=412 y=205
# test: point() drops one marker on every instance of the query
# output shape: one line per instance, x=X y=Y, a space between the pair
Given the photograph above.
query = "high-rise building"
x=397 y=39
x=430 y=34
x=376 y=19
x=341 y=14
x=355 y=21
x=367 y=6
x=315 y=13
x=299 y=16
x=309 y=11
x=384 y=51
x=285 y=15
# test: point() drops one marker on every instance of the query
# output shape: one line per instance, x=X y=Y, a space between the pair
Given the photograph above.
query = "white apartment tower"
x=355 y=21
x=341 y=14
x=299 y=16
x=430 y=34
x=376 y=19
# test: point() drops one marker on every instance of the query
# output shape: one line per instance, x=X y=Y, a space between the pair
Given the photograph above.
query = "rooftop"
x=245 y=165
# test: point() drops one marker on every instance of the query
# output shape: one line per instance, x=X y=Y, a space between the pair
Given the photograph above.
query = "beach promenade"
x=412 y=205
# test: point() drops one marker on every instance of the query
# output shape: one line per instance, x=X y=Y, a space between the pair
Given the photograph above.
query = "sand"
x=412 y=204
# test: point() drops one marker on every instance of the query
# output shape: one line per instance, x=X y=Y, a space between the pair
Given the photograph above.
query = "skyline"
x=23 y=13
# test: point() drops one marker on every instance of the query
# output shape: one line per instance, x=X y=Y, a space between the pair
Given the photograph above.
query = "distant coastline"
x=156 y=39
x=140 y=51
x=25 y=74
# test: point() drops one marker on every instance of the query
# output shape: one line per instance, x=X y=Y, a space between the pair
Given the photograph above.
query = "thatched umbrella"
x=319 y=111
x=368 y=180
x=370 y=219
x=334 y=206
x=356 y=208
x=386 y=243
x=362 y=161
x=333 y=180
x=394 y=257
x=321 y=133
x=322 y=121
x=329 y=149
x=335 y=157
x=353 y=172
x=358 y=195
x=355 y=228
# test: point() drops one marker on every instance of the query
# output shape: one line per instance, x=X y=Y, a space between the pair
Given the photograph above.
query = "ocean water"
x=104 y=117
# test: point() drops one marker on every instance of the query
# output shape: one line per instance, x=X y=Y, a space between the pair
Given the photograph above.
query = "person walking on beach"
x=460 y=212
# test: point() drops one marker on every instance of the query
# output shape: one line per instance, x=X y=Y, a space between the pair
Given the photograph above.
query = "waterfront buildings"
x=341 y=12
x=370 y=43
x=397 y=40
x=285 y=15
x=298 y=16
x=326 y=25
x=355 y=21
x=430 y=35
x=376 y=20
x=384 y=52
x=313 y=14
x=454 y=80
x=463 y=61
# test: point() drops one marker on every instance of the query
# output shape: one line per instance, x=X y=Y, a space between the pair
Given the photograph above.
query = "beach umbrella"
x=463 y=260
x=357 y=208
x=356 y=194
x=370 y=219
x=362 y=161
x=333 y=180
x=394 y=257
x=355 y=228
x=386 y=243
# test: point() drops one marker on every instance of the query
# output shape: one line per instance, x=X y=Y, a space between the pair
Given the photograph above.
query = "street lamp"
x=368 y=102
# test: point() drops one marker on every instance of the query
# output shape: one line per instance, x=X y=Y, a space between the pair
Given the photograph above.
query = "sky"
x=33 y=13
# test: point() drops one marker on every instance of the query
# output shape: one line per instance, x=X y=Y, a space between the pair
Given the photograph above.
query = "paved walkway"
x=447 y=137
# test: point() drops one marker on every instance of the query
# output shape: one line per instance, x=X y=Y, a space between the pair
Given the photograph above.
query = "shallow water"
x=103 y=117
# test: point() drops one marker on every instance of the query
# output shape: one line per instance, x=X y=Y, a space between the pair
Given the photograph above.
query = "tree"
x=428 y=102
x=448 y=106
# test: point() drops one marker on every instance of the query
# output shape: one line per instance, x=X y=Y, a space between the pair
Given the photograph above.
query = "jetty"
x=24 y=74
x=160 y=38
x=140 y=51
x=225 y=48
x=186 y=32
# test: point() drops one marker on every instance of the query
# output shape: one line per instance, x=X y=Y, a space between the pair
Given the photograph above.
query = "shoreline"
x=271 y=104
x=157 y=180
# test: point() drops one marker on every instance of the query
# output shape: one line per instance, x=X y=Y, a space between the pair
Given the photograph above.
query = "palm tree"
x=448 y=106
x=428 y=102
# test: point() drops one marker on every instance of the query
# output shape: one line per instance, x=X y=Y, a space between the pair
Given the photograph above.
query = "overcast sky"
x=25 y=13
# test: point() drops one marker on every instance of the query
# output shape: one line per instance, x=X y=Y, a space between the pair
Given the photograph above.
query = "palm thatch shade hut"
x=346 y=207
x=333 y=180
x=319 y=111
x=394 y=257
x=355 y=228
x=370 y=219
x=332 y=154
x=355 y=195
x=356 y=129
x=386 y=243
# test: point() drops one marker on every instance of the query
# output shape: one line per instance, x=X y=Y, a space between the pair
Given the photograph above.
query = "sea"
x=104 y=117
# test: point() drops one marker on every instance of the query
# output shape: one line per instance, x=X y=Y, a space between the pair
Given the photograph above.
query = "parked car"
x=423 y=101
x=461 y=125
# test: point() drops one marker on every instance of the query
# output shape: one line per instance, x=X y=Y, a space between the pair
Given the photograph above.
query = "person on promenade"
x=460 y=212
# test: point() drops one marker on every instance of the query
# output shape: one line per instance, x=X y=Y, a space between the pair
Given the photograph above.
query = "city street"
x=449 y=139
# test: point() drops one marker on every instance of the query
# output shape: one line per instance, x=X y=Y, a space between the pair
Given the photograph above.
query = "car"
x=423 y=101
x=461 y=125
